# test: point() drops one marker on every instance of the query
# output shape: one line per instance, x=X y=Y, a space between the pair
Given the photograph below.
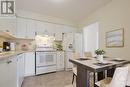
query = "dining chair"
x=75 y=55
x=128 y=79
x=88 y=54
x=119 y=78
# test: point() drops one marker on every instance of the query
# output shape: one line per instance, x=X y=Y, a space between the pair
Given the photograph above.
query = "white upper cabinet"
x=60 y=29
x=40 y=27
x=8 y=25
x=31 y=27
x=26 y=28
x=58 y=36
x=21 y=28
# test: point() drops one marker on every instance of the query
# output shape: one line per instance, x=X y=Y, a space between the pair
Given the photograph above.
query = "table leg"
x=110 y=72
x=101 y=75
x=83 y=77
x=94 y=79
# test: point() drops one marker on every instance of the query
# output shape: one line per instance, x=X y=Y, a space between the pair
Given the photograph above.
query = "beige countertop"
x=6 y=55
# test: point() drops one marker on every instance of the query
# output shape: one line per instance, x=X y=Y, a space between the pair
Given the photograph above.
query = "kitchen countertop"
x=51 y=51
x=6 y=55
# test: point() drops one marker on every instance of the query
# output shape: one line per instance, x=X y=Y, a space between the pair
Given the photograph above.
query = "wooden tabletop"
x=94 y=66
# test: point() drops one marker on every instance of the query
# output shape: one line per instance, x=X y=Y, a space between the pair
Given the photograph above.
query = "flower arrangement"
x=99 y=52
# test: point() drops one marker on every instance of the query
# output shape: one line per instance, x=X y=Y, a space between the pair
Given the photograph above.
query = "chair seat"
x=75 y=70
x=104 y=82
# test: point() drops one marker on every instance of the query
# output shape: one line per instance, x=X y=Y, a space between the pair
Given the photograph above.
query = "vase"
x=100 y=58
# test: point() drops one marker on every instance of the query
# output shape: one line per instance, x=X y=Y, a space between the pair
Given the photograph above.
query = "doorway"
x=91 y=38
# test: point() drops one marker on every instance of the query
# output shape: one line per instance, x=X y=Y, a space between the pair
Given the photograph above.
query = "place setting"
x=118 y=60
x=99 y=63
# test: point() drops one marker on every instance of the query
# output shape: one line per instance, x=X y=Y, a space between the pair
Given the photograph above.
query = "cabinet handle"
x=8 y=62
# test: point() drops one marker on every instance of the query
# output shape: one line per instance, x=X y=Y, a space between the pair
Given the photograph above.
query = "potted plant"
x=100 y=53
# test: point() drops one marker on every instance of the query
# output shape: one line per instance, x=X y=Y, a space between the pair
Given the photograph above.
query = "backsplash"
x=1 y=41
x=25 y=45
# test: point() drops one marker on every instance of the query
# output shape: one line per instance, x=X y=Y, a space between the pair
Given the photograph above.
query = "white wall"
x=91 y=38
x=113 y=16
x=78 y=40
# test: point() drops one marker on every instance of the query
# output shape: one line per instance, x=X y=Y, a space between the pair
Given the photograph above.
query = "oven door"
x=45 y=59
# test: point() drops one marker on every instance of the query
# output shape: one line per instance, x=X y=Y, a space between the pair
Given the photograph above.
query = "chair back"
x=120 y=77
x=128 y=78
x=75 y=55
x=87 y=54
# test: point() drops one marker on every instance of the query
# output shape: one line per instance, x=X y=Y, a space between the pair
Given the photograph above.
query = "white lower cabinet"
x=12 y=71
x=68 y=64
x=20 y=69
x=29 y=63
x=60 y=61
x=4 y=69
x=8 y=73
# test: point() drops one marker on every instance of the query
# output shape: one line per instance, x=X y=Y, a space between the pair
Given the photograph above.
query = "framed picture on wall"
x=115 y=38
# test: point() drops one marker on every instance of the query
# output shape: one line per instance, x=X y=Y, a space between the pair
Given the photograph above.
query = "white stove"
x=45 y=60
x=45 y=55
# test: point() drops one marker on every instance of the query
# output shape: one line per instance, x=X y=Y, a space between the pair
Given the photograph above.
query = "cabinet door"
x=8 y=25
x=4 y=74
x=40 y=27
x=29 y=63
x=8 y=73
x=20 y=69
x=12 y=64
x=58 y=36
x=60 y=61
x=31 y=29
x=68 y=65
x=68 y=40
x=21 y=28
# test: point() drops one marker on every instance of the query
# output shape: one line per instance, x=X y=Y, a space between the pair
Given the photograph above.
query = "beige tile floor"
x=58 y=79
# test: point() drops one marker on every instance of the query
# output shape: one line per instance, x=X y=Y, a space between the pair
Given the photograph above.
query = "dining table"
x=89 y=65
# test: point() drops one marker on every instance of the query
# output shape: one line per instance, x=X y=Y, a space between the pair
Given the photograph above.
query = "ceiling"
x=74 y=10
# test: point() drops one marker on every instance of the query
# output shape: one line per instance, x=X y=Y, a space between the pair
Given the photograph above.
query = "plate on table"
x=85 y=58
x=102 y=63
x=118 y=60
